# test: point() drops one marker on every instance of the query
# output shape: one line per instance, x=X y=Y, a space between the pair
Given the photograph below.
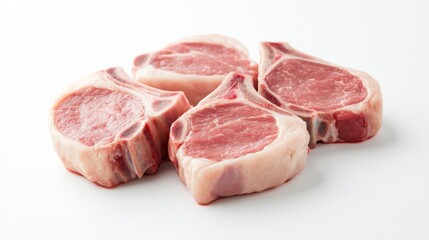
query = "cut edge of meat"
x=215 y=39
x=134 y=151
x=370 y=107
x=118 y=75
x=143 y=59
x=107 y=165
x=94 y=116
x=291 y=143
x=218 y=125
x=152 y=75
x=194 y=86
x=269 y=52
x=284 y=169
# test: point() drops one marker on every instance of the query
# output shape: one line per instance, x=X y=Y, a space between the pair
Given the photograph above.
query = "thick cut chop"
x=236 y=142
x=339 y=104
x=111 y=130
x=194 y=65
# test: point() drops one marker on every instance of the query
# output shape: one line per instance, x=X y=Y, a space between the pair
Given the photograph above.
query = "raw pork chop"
x=236 y=142
x=339 y=104
x=194 y=65
x=111 y=130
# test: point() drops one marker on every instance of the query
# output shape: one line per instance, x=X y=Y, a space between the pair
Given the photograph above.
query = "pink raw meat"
x=339 y=104
x=236 y=142
x=194 y=65
x=111 y=130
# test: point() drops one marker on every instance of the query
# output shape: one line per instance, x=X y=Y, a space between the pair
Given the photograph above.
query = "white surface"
x=373 y=190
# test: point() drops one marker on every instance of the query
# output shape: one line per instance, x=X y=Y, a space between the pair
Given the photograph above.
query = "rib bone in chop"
x=236 y=142
x=195 y=65
x=111 y=130
x=339 y=104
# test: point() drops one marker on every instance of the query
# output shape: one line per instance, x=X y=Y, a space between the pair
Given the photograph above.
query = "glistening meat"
x=339 y=104
x=111 y=130
x=195 y=65
x=236 y=142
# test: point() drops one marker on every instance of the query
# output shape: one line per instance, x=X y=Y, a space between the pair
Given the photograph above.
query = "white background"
x=378 y=189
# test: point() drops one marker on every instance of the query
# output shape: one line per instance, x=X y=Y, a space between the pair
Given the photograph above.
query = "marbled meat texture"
x=339 y=104
x=195 y=65
x=111 y=130
x=236 y=142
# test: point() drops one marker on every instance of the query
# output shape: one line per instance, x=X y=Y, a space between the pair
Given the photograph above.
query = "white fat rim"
x=197 y=164
x=148 y=73
x=369 y=83
x=215 y=39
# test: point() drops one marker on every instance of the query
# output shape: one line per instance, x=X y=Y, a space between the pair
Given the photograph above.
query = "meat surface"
x=339 y=104
x=236 y=142
x=111 y=130
x=194 y=65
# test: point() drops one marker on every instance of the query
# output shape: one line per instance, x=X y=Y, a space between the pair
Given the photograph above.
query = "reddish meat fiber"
x=315 y=86
x=200 y=59
x=111 y=129
x=228 y=131
x=236 y=142
x=195 y=65
x=338 y=104
x=95 y=115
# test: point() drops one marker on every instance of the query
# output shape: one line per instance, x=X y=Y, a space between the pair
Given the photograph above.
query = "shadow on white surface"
x=293 y=189
x=165 y=172
x=321 y=158
x=323 y=161
x=165 y=169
